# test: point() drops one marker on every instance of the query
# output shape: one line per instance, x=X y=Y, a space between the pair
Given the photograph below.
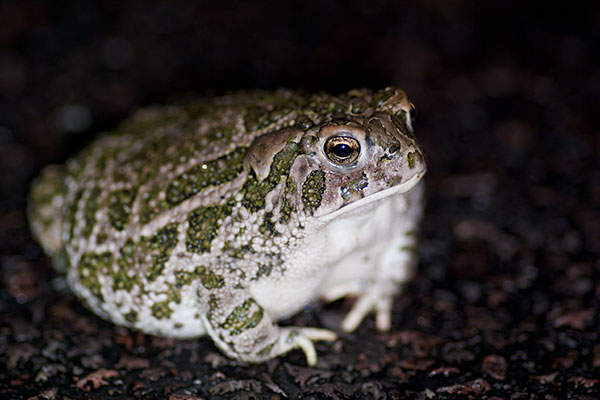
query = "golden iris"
x=342 y=150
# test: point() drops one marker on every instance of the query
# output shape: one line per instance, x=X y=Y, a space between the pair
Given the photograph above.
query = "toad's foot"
x=267 y=340
x=376 y=296
x=244 y=330
x=302 y=338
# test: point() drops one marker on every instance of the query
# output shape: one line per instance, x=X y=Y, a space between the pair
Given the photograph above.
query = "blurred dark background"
x=507 y=97
x=68 y=68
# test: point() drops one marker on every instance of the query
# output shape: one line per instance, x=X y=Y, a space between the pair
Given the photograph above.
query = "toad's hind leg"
x=243 y=330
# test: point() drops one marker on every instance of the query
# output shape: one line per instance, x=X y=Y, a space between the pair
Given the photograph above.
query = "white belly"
x=345 y=249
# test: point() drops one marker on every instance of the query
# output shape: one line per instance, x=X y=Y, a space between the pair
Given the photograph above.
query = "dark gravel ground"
x=506 y=304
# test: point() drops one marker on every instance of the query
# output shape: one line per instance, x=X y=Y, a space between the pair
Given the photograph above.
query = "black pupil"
x=342 y=150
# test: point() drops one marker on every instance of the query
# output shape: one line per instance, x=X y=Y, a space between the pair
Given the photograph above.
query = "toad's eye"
x=342 y=150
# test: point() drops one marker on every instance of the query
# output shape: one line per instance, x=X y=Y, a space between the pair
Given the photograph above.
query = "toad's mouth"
x=403 y=187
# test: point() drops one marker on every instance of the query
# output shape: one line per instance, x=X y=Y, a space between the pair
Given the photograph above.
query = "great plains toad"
x=222 y=216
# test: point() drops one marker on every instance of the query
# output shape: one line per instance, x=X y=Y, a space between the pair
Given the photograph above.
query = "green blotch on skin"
x=213 y=306
x=161 y=309
x=89 y=269
x=269 y=108
x=89 y=211
x=161 y=244
x=312 y=190
x=287 y=207
x=101 y=238
x=263 y=270
x=110 y=151
x=240 y=318
x=255 y=191
x=213 y=302
x=399 y=121
x=125 y=261
x=267 y=225
x=256 y=117
x=209 y=279
x=183 y=278
x=413 y=158
x=385 y=158
x=122 y=281
x=303 y=122
x=322 y=104
x=286 y=210
x=131 y=317
x=151 y=205
x=354 y=187
x=119 y=207
x=238 y=252
x=173 y=295
x=358 y=106
x=220 y=133
x=133 y=253
x=252 y=198
x=159 y=150
x=75 y=166
x=204 y=224
x=212 y=173
x=381 y=96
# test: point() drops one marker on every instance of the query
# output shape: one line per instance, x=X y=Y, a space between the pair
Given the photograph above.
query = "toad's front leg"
x=395 y=267
x=245 y=331
x=376 y=294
